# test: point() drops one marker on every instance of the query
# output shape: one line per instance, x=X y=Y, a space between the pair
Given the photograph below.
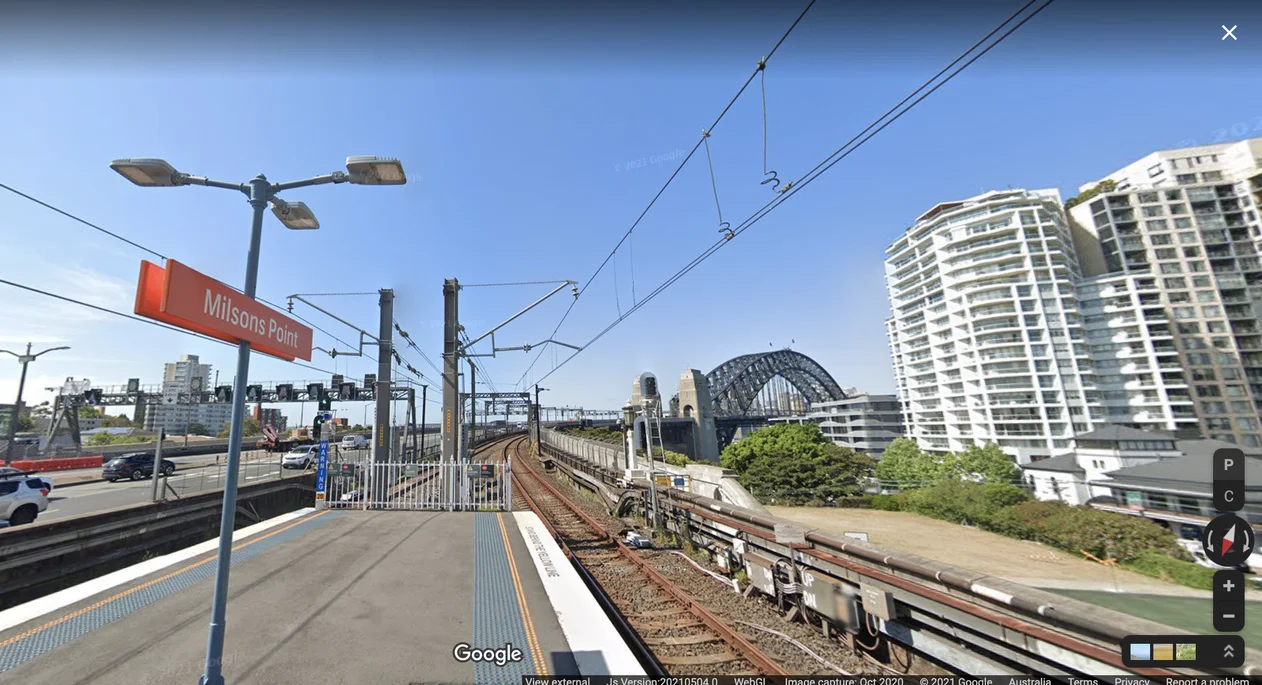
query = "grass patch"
x=1173 y=570
x=1193 y=614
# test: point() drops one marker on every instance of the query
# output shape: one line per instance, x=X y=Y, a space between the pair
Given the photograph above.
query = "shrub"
x=1173 y=570
x=1102 y=534
x=961 y=501
x=677 y=459
x=887 y=502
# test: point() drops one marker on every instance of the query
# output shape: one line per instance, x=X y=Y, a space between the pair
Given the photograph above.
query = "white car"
x=22 y=498
x=300 y=457
x=10 y=471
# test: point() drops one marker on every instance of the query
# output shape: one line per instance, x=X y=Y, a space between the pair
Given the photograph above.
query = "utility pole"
x=385 y=352
x=451 y=389
x=424 y=392
x=24 y=360
x=473 y=404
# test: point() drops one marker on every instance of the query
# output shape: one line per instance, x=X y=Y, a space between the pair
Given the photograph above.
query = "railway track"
x=684 y=639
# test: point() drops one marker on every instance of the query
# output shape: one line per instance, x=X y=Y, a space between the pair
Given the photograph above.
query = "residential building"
x=270 y=417
x=864 y=423
x=185 y=385
x=1186 y=223
x=986 y=337
x=1152 y=474
x=1139 y=379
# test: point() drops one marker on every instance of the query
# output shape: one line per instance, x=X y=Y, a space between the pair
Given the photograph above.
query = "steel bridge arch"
x=735 y=383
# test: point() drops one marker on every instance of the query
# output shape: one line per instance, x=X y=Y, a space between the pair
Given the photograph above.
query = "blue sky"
x=516 y=143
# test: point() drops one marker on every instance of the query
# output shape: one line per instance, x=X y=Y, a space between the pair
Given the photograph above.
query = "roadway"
x=92 y=497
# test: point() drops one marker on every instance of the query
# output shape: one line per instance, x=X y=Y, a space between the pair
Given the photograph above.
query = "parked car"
x=22 y=498
x=355 y=442
x=300 y=457
x=11 y=471
x=134 y=467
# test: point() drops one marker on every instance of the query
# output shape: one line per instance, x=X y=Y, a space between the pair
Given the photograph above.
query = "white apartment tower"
x=986 y=335
x=183 y=383
x=1185 y=223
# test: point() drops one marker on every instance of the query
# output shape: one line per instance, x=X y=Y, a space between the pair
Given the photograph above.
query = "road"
x=94 y=497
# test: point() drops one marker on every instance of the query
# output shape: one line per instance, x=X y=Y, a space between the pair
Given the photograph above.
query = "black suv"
x=135 y=467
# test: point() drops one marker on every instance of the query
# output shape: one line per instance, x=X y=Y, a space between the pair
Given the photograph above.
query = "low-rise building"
x=864 y=423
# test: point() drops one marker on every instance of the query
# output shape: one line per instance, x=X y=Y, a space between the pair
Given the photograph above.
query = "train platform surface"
x=330 y=596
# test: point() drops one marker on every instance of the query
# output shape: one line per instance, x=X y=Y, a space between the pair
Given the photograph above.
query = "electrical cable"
x=141 y=319
x=709 y=129
x=85 y=222
x=821 y=168
x=500 y=285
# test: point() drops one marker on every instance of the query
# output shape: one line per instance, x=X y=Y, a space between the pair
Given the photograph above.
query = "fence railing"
x=606 y=456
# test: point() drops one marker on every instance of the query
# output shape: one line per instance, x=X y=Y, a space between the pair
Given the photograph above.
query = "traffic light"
x=254 y=393
x=326 y=401
x=316 y=425
x=92 y=397
x=285 y=393
x=223 y=393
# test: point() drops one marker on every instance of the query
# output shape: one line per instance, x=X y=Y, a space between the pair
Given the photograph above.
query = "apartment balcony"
x=1229 y=280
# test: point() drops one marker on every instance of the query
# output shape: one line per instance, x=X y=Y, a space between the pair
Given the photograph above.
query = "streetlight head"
x=368 y=170
x=150 y=173
x=295 y=215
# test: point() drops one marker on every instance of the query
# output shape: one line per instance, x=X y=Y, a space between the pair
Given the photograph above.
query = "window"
x=1167 y=253
x=1213 y=176
x=1177 y=298
x=1178 y=209
x=1212 y=312
x=1187 y=238
x=1157 y=210
x=1216 y=327
x=1183 y=222
x=1174 y=283
x=1163 y=239
x=1206 y=296
x=1189 y=328
x=1171 y=269
x=1146 y=198
x=1172 y=195
x=1185 y=312
x=1185 y=179
x=1191 y=252
x=1201 y=282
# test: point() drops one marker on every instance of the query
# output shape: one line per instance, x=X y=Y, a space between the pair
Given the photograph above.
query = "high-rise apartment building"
x=183 y=383
x=1185 y=223
x=986 y=336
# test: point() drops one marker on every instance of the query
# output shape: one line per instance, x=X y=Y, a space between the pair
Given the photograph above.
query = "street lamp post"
x=24 y=360
x=362 y=170
x=538 y=422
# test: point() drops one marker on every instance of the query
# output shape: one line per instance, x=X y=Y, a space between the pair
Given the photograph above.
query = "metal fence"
x=602 y=454
x=419 y=486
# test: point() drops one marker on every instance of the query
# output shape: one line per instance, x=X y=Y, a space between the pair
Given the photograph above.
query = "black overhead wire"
x=682 y=164
x=841 y=153
x=124 y=315
x=155 y=253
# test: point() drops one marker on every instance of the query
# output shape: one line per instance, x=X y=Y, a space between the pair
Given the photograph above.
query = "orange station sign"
x=188 y=299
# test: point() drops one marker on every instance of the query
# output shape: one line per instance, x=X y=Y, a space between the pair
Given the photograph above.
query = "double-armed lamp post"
x=14 y=413
x=364 y=170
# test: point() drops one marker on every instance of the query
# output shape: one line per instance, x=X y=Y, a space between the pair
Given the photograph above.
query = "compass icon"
x=1228 y=540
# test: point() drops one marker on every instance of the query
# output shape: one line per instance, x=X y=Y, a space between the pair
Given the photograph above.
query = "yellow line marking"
x=535 y=650
x=138 y=588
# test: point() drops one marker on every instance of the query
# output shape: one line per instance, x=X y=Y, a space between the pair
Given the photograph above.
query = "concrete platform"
x=328 y=597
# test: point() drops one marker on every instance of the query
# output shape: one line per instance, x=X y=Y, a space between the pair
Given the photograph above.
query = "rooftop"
x=1118 y=433
x=1065 y=463
x=1179 y=473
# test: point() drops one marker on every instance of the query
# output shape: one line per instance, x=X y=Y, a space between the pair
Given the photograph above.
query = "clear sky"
x=533 y=136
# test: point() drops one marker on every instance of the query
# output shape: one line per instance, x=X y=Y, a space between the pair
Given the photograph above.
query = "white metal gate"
x=483 y=486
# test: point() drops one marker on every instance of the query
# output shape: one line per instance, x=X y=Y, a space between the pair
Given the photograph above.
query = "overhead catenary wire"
x=159 y=255
x=671 y=179
x=124 y=315
x=853 y=144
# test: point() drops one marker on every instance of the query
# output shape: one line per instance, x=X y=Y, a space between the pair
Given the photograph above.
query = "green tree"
x=89 y=412
x=905 y=465
x=198 y=429
x=116 y=422
x=25 y=423
x=986 y=463
x=796 y=461
x=250 y=428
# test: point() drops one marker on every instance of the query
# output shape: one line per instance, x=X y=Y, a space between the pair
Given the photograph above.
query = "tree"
x=25 y=423
x=89 y=412
x=796 y=461
x=198 y=429
x=985 y=463
x=904 y=465
x=116 y=422
x=250 y=428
